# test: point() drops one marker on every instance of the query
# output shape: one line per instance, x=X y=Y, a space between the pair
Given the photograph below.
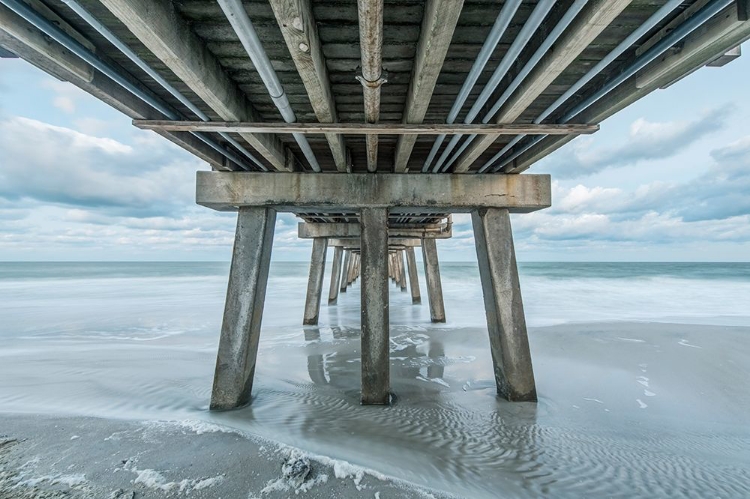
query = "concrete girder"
x=306 y=230
x=428 y=193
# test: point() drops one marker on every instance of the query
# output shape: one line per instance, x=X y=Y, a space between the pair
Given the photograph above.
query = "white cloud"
x=646 y=141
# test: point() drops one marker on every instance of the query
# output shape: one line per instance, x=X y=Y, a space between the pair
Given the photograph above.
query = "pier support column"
x=315 y=281
x=375 y=317
x=432 y=276
x=345 y=271
x=333 y=292
x=401 y=270
x=352 y=266
x=411 y=263
x=243 y=309
x=509 y=341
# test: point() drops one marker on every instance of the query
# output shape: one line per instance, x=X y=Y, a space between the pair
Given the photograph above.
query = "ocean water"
x=642 y=371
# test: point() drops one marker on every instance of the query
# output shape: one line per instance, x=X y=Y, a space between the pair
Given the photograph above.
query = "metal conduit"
x=652 y=21
x=561 y=26
x=371 y=47
x=675 y=36
x=243 y=27
x=529 y=28
x=107 y=34
x=70 y=43
x=498 y=30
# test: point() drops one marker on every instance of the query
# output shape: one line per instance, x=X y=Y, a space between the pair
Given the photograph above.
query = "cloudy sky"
x=666 y=179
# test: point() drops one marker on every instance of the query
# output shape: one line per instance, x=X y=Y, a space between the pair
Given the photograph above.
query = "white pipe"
x=496 y=33
x=112 y=38
x=639 y=32
x=529 y=28
x=243 y=27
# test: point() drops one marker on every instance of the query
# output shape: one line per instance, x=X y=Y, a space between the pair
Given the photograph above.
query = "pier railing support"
x=509 y=341
x=333 y=292
x=375 y=317
x=411 y=263
x=243 y=310
x=432 y=276
x=315 y=281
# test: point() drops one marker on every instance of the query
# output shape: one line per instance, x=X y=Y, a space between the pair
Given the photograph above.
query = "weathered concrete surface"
x=333 y=292
x=375 y=316
x=315 y=281
x=428 y=193
x=432 y=276
x=401 y=270
x=345 y=271
x=509 y=342
x=411 y=263
x=306 y=230
x=243 y=311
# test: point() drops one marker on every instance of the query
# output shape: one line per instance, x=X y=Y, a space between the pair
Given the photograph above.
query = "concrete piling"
x=432 y=276
x=315 y=281
x=243 y=310
x=509 y=341
x=375 y=316
x=401 y=270
x=333 y=292
x=345 y=271
x=411 y=263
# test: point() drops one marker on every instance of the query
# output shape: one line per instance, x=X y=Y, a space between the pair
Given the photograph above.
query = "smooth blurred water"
x=631 y=409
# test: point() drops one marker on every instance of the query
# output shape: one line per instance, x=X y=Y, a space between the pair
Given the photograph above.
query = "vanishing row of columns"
x=373 y=261
x=346 y=273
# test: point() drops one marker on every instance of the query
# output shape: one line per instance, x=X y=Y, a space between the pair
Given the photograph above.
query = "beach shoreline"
x=639 y=402
x=46 y=457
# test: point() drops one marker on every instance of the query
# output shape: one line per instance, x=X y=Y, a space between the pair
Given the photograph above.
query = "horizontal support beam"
x=393 y=243
x=425 y=193
x=365 y=128
x=353 y=230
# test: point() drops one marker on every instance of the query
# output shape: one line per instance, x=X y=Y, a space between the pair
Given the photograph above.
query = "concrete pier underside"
x=371 y=253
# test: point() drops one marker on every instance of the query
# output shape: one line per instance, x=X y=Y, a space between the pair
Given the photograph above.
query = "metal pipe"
x=561 y=26
x=496 y=33
x=243 y=27
x=675 y=36
x=519 y=43
x=75 y=47
x=112 y=38
x=371 y=43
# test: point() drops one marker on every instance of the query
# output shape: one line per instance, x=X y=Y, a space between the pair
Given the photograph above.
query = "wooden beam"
x=295 y=18
x=589 y=24
x=158 y=25
x=105 y=90
x=725 y=31
x=365 y=129
x=438 y=25
x=370 y=16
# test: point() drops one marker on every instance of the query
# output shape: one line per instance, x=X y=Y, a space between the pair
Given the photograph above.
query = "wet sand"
x=626 y=410
x=42 y=457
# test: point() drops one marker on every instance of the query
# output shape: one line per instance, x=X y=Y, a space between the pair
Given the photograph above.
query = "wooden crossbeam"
x=364 y=129
x=295 y=18
x=438 y=24
x=163 y=30
x=589 y=24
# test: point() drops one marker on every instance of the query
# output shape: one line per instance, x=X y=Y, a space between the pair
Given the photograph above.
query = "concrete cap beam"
x=425 y=193
x=306 y=230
